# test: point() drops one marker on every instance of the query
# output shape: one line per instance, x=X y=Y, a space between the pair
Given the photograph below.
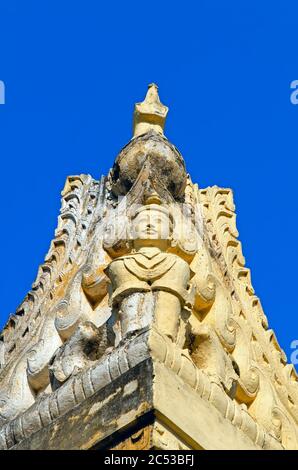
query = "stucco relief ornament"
x=154 y=270
x=145 y=269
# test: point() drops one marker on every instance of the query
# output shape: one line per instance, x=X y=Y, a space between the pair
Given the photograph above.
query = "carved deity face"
x=151 y=224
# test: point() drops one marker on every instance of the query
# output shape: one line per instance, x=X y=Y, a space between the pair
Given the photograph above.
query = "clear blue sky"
x=74 y=69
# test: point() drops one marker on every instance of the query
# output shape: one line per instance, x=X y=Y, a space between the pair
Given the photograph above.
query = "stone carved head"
x=151 y=223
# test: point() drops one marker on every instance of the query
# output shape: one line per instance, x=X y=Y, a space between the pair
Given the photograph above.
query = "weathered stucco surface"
x=142 y=329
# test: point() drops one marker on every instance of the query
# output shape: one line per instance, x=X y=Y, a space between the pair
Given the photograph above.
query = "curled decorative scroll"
x=95 y=284
x=86 y=345
x=220 y=315
x=209 y=355
x=291 y=384
x=81 y=203
x=16 y=396
x=186 y=241
x=248 y=383
x=72 y=309
x=285 y=428
x=37 y=369
x=257 y=350
x=39 y=357
x=115 y=235
x=203 y=286
x=66 y=319
x=268 y=410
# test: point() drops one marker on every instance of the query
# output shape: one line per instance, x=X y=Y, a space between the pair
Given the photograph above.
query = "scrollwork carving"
x=87 y=344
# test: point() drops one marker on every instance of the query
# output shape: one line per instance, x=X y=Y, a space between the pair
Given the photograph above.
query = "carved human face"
x=151 y=225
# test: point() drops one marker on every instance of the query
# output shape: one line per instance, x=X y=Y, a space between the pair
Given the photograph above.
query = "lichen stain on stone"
x=91 y=442
x=97 y=406
x=130 y=388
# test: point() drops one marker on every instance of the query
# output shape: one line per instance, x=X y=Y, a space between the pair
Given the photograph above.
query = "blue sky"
x=73 y=71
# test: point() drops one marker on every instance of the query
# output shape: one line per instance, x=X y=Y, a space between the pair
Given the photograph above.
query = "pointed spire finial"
x=150 y=114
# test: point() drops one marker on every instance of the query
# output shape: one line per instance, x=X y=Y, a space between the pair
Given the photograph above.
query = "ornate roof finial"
x=150 y=114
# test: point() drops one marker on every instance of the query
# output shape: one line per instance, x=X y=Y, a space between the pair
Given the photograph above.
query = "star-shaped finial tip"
x=150 y=114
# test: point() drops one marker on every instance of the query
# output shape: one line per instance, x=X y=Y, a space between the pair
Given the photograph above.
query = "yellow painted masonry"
x=143 y=317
